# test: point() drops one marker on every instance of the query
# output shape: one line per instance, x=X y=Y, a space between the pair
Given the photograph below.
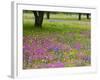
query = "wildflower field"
x=63 y=41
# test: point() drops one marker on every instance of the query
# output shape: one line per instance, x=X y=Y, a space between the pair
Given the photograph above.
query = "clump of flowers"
x=49 y=52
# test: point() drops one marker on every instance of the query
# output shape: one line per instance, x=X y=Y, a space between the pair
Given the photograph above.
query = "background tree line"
x=38 y=15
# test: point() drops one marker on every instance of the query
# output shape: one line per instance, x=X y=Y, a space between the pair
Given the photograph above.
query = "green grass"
x=60 y=27
x=64 y=27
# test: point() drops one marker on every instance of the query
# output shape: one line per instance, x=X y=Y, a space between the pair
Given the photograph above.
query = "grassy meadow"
x=63 y=41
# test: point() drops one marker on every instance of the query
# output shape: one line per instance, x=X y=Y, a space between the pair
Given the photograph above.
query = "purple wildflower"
x=56 y=49
x=39 y=51
x=55 y=65
x=87 y=58
x=27 y=49
x=78 y=46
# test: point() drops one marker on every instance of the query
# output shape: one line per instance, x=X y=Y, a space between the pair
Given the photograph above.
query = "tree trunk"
x=38 y=18
x=87 y=16
x=48 y=15
x=79 y=16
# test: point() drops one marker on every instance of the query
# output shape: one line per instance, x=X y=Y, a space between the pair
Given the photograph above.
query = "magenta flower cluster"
x=48 y=52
